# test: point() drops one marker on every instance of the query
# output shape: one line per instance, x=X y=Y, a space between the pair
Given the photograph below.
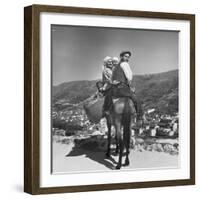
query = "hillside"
x=158 y=91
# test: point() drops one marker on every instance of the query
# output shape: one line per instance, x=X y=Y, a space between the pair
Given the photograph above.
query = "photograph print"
x=114 y=99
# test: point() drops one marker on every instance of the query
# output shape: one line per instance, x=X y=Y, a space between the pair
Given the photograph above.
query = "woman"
x=107 y=72
x=106 y=81
x=115 y=61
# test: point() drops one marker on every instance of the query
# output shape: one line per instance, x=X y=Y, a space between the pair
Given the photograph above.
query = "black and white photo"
x=95 y=70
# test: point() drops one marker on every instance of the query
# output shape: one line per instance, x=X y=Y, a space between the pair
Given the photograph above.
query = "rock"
x=150 y=140
x=159 y=148
x=97 y=133
x=171 y=133
x=175 y=127
x=149 y=147
x=169 y=148
x=135 y=148
x=66 y=140
x=176 y=145
x=140 y=148
x=153 y=147
x=153 y=132
x=132 y=132
x=139 y=140
x=56 y=138
x=132 y=142
x=174 y=152
x=141 y=130
x=59 y=132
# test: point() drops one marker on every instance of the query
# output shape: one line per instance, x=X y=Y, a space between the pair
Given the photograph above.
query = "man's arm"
x=127 y=71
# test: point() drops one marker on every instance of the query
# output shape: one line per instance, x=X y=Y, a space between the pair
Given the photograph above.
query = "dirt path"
x=69 y=159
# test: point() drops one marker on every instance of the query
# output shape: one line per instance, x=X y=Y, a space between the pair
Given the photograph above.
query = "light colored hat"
x=106 y=59
x=115 y=59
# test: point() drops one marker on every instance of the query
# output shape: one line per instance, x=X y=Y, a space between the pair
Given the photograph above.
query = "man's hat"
x=125 y=52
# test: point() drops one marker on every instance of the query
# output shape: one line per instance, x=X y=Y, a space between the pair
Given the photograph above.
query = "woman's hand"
x=133 y=89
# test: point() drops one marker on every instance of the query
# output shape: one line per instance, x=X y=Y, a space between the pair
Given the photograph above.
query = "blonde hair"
x=106 y=59
x=115 y=59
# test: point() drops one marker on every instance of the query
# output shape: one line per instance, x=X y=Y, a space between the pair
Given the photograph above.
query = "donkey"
x=121 y=116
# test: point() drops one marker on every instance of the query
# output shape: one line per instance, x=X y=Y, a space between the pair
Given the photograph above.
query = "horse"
x=121 y=116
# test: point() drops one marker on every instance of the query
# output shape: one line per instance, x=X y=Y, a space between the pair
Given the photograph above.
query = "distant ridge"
x=156 y=73
x=159 y=91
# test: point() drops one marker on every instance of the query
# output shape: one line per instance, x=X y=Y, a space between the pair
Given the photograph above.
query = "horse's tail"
x=126 y=121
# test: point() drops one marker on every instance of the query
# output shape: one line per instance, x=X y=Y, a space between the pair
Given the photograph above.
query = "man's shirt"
x=127 y=70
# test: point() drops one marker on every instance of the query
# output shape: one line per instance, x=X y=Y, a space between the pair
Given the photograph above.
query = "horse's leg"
x=117 y=144
x=127 y=121
x=127 y=138
x=120 y=141
x=109 y=138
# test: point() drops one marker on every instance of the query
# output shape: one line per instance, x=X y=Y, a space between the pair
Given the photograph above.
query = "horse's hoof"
x=118 y=167
x=126 y=163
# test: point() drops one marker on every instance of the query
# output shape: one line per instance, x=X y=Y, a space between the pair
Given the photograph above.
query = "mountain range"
x=159 y=91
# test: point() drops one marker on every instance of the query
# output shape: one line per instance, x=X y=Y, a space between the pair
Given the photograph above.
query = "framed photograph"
x=109 y=99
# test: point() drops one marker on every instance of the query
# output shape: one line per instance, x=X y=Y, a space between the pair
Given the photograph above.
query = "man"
x=121 y=79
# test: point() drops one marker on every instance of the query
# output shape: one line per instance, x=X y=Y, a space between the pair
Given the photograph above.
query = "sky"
x=77 y=52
